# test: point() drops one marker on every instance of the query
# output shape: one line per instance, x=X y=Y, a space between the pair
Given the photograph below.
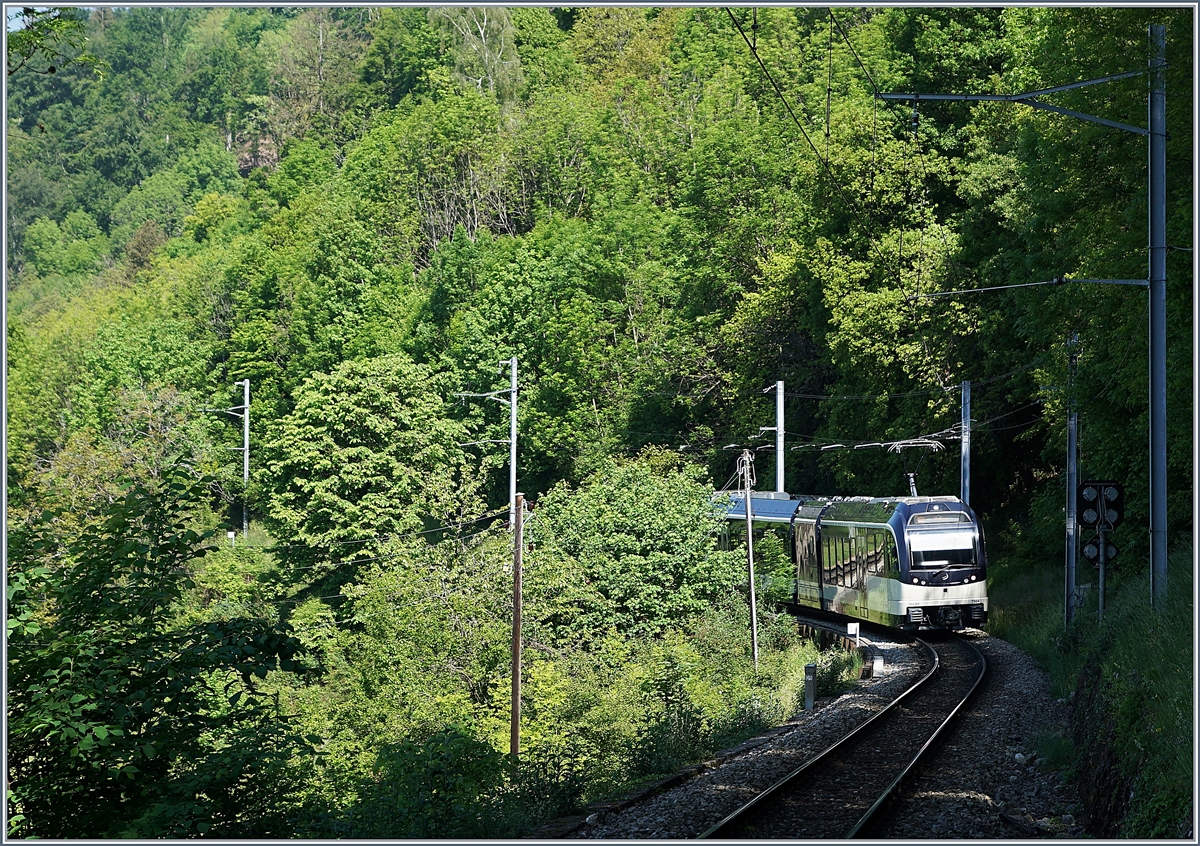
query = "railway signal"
x=1101 y=505
x=1091 y=550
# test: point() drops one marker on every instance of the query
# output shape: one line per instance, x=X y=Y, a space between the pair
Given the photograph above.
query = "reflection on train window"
x=943 y=549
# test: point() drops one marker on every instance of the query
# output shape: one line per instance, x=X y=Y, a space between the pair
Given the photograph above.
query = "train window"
x=836 y=556
x=806 y=550
x=875 y=556
x=942 y=548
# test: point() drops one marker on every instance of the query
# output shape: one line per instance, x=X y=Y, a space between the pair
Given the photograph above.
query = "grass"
x=1145 y=662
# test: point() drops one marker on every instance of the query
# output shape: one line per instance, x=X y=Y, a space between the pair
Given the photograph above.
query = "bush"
x=439 y=787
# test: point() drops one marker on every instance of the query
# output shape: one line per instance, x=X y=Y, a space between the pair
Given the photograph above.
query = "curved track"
x=842 y=791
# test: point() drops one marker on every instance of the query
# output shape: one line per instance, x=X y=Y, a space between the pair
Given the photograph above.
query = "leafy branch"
x=45 y=40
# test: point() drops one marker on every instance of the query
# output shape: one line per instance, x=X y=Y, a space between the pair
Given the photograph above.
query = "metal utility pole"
x=245 y=457
x=514 y=745
x=779 y=431
x=1158 y=316
x=779 y=437
x=516 y=515
x=1156 y=281
x=747 y=468
x=966 y=443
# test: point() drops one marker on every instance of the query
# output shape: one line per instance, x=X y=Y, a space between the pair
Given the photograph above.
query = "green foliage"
x=1143 y=694
x=306 y=166
x=369 y=452
x=436 y=788
x=363 y=211
x=402 y=55
x=1147 y=684
x=44 y=40
x=141 y=726
x=433 y=167
x=546 y=61
x=169 y=196
x=641 y=532
x=75 y=248
x=233 y=581
x=482 y=39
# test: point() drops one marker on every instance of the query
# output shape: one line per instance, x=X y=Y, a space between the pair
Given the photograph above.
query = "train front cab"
x=943 y=570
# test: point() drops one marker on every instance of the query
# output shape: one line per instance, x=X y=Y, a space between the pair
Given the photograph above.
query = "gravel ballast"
x=987 y=782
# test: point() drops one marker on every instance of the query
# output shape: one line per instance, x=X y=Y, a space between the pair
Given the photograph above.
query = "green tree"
x=170 y=195
x=43 y=40
x=370 y=451
x=313 y=78
x=431 y=168
x=485 y=55
x=403 y=53
x=306 y=166
x=547 y=62
x=643 y=533
x=141 y=727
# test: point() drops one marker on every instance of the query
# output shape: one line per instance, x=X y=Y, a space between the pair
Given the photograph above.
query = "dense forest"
x=659 y=213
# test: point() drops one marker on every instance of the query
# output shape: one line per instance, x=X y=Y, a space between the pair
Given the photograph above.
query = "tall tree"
x=369 y=452
x=485 y=55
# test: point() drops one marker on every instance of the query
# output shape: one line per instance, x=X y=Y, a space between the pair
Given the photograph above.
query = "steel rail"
x=727 y=827
x=868 y=819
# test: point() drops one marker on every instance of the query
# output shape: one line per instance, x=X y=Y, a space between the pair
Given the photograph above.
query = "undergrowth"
x=1144 y=661
x=594 y=726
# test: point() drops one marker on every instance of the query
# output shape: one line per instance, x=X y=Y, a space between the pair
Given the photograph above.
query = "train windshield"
x=946 y=548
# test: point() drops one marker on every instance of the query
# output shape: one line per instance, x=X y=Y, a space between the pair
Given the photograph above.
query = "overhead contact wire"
x=850 y=203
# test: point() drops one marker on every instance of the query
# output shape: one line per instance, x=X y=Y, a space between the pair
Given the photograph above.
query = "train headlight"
x=972 y=578
x=923 y=582
x=916 y=580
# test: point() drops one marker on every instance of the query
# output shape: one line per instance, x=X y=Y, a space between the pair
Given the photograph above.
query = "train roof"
x=773 y=508
x=767 y=509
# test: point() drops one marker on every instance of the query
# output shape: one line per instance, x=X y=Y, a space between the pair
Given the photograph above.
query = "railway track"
x=842 y=792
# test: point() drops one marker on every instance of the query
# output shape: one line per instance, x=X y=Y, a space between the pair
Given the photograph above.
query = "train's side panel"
x=858 y=560
x=871 y=602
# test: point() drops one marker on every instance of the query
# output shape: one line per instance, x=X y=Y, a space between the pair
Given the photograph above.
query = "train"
x=913 y=563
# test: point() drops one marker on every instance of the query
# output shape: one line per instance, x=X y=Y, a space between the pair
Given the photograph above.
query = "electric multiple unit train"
x=910 y=562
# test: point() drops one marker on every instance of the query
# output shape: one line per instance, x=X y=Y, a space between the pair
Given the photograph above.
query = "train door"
x=805 y=546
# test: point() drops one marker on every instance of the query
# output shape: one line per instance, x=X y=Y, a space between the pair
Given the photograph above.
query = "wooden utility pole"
x=514 y=746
